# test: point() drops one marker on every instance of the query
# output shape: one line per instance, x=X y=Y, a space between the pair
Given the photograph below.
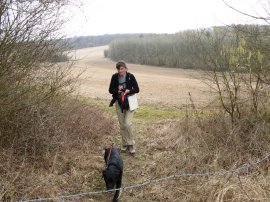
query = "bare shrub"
x=204 y=145
x=28 y=41
x=35 y=165
x=239 y=63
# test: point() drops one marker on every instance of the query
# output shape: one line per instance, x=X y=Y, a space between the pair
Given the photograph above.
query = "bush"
x=207 y=144
x=31 y=165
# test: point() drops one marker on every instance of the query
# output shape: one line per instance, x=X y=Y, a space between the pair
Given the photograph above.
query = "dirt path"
x=158 y=85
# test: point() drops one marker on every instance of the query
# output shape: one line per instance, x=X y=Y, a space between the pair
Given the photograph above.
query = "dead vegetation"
x=68 y=159
x=204 y=145
x=63 y=157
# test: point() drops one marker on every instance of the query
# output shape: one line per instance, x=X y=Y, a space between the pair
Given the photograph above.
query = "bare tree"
x=265 y=4
x=243 y=51
x=29 y=78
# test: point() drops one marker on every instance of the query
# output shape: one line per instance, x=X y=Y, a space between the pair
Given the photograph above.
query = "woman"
x=123 y=84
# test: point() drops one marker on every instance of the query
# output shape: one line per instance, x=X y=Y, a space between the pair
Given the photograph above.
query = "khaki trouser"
x=125 y=122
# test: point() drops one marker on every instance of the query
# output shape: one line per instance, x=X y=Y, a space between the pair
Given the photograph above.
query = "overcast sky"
x=98 y=17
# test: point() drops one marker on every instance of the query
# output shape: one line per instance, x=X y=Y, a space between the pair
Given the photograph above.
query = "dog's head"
x=106 y=151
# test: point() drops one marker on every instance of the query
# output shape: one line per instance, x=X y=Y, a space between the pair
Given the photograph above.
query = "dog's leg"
x=116 y=195
x=118 y=192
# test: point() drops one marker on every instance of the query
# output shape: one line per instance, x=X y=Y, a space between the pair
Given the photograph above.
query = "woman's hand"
x=120 y=89
x=127 y=91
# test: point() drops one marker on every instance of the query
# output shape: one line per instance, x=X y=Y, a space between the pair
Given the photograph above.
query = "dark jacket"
x=131 y=85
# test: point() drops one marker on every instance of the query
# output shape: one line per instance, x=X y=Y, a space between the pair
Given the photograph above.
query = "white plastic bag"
x=133 y=102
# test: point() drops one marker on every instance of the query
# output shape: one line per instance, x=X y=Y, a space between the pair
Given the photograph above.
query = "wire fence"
x=241 y=169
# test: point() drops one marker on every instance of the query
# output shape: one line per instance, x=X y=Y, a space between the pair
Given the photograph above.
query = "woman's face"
x=122 y=71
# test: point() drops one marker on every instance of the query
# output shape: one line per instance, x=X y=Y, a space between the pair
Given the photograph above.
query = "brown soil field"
x=159 y=86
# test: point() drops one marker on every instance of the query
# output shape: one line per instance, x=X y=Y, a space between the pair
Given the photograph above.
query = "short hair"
x=120 y=63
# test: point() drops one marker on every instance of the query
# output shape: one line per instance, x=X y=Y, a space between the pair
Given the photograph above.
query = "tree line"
x=192 y=49
x=98 y=40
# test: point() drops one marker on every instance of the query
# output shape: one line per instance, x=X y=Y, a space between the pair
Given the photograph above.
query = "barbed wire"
x=245 y=167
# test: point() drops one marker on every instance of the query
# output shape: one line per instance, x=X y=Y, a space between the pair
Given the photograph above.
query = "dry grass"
x=68 y=158
x=202 y=145
x=65 y=155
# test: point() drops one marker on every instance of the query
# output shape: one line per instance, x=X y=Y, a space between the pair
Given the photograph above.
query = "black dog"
x=113 y=171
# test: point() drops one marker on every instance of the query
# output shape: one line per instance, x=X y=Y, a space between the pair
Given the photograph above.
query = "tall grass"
x=59 y=155
x=206 y=144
